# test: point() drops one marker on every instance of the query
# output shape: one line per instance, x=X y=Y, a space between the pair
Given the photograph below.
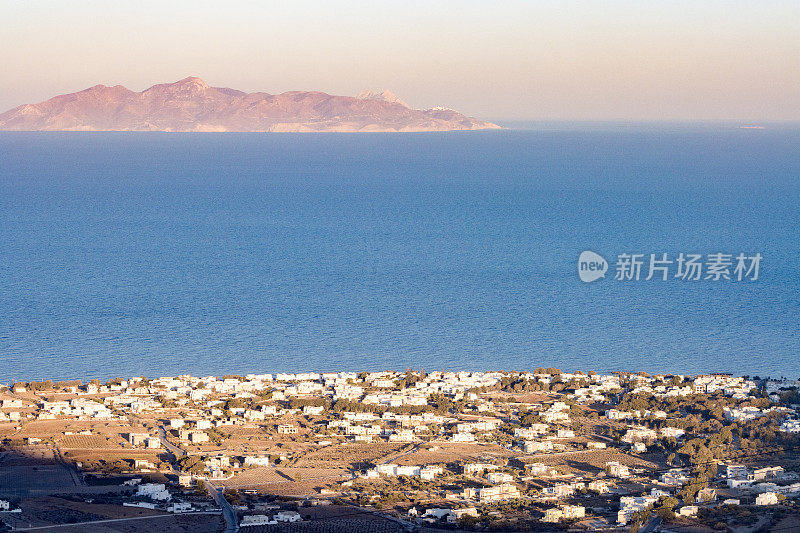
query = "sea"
x=127 y=254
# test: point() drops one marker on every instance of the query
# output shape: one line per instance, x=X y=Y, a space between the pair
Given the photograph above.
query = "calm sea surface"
x=158 y=254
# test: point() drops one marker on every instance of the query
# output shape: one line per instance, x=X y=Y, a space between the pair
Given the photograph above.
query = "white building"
x=672 y=432
x=154 y=491
x=288 y=516
x=497 y=493
x=477 y=468
x=628 y=505
x=736 y=472
x=252 y=460
x=180 y=507
x=256 y=520
x=531 y=432
x=499 y=477
x=313 y=410
x=599 y=486
x=791 y=426
x=637 y=434
x=534 y=446
x=688 y=510
x=618 y=470
x=675 y=477
x=767 y=498
x=566 y=512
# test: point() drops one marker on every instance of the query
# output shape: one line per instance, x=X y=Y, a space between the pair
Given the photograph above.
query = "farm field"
x=443 y=452
x=333 y=519
x=104 y=434
x=349 y=455
x=34 y=471
x=58 y=513
x=589 y=460
x=289 y=481
x=67 y=442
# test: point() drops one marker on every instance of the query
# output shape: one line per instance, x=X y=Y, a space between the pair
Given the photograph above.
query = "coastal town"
x=402 y=451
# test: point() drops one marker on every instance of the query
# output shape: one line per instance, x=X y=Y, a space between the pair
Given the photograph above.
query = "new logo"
x=591 y=266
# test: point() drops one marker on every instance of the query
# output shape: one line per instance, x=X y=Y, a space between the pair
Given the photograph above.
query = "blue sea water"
x=157 y=254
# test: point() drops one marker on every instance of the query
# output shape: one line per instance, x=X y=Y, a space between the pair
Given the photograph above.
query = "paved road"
x=232 y=525
x=177 y=452
x=162 y=433
x=651 y=525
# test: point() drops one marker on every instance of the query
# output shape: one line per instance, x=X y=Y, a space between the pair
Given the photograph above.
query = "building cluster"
x=461 y=410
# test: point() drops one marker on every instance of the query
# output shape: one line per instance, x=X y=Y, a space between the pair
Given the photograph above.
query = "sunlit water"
x=159 y=254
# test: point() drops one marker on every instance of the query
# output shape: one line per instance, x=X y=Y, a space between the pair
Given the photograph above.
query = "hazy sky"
x=637 y=59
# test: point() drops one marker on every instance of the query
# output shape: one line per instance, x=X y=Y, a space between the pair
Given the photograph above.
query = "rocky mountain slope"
x=192 y=105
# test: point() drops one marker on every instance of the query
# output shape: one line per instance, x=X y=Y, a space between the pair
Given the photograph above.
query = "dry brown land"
x=288 y=481
x=444 y=453
x=589 y=460
x=349 y=455
x=334 y=519
x=141 y=521
x=106 y=435
x=33 y=469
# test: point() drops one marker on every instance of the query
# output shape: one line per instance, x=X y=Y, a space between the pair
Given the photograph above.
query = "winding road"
x=232 y=525
x=177 y=452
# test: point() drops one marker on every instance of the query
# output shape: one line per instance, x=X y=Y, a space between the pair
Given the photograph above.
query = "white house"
x=615 y=469
x=499 y=477
x=256 y=520
x=463 y=437
x=180 y=507
x=288 y=516
x=154 y=491
x=767 y=498
x=736 y=472
x=252 y=460
x=566 y=512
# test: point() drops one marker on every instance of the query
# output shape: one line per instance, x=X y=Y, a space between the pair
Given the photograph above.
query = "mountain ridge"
x=191 y=104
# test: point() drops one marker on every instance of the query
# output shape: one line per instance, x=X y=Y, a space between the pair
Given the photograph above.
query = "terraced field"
x=349 y=454
x=336 y=525
x=270 y=475
x=87 y=442
x=333 y=519
x=42 y=512
x=589 y=459
x=449 y=453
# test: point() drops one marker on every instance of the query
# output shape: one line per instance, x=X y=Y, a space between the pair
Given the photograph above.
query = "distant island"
x=191 y=105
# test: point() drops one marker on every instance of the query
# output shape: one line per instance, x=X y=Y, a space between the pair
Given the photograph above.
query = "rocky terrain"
x=192 y=105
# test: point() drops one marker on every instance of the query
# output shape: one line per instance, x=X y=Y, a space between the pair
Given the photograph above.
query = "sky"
x=561 y=60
